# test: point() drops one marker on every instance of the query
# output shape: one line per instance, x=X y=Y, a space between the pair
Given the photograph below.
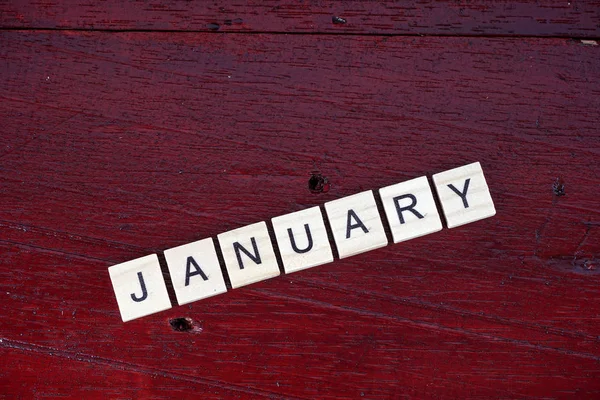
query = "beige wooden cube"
x=195 y=271
x=249 y=255
x=302 y=239
x=410 y=209
x=356 y=224
x=464 y=195
x=139 y=287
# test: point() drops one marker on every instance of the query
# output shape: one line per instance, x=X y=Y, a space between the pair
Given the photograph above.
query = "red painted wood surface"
x=119 y=144
x=523 y=17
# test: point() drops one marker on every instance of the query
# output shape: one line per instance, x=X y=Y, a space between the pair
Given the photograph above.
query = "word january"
x=302 y=240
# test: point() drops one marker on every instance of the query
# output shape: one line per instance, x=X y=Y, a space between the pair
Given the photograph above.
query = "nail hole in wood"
x=558 y=187
x=318 y=183
x=184 y=325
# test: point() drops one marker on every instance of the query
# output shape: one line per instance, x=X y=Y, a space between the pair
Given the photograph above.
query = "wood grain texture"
x=475 y=18
x=41 y=372
x=116 y=145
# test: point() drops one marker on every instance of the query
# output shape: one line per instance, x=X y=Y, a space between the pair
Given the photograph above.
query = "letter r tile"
x=302 y=239
x=410 y=209
x=356 y=224
x=139 y=287
x=195 y=271
x=248 y=254
x=464 y=195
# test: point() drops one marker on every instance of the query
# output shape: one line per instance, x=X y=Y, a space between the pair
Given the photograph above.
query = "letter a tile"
x=302 y=239
x=356 y=224
x=464 y=195
x=248 y=254
x=195 y=271
x=410 y=209
x=139 y=287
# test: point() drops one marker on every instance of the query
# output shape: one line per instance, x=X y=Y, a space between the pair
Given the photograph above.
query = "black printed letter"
x=410 y=208
x=358 y=224
x=144 y=291
x=254 y=257
x=188 y=273
x=463 y=194
x=310 y=242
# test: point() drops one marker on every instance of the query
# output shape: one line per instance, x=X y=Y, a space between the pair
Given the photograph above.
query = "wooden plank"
x=473 y=18
x=301 y=340
x=118 y=145
x=190 y=100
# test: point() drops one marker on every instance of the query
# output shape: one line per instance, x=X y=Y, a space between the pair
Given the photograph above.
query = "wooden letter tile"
x=302 y=239
x=464 y=195
x=410 y=209
x=195 y=271
x=248 y=254
x=356 y=224
x=139 y=287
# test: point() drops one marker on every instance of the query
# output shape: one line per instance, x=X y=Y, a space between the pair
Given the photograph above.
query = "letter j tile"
x=139 y=287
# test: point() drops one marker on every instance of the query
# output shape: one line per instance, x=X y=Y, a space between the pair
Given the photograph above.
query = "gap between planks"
x=582 y=39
